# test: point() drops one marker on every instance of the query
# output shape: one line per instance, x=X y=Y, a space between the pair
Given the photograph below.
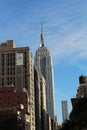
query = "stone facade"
x=44 y=65
x=16 y=68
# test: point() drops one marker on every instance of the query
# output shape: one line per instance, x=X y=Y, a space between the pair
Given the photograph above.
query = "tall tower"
x=43 y=63
x=64 y=110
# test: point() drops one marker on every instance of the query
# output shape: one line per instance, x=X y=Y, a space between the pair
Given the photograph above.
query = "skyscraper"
x=43 y=63
x=64 y=110
x=16 y=68
x=37 y=99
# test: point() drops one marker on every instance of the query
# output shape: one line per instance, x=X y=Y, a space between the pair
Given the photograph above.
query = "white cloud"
x=72 y=46
x=70 y=40
x=64 y=28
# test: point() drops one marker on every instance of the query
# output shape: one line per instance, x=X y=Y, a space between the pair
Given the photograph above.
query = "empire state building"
x=43 y=63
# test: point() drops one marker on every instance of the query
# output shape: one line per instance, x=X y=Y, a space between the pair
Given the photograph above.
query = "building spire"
x=42 y=36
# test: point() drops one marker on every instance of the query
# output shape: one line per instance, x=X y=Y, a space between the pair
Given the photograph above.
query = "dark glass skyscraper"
x=44 y=65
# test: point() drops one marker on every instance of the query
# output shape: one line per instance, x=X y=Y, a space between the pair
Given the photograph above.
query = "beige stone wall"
x=21 y=76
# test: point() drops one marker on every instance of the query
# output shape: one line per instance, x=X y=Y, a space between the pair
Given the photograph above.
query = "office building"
x=40 y=101
x=43 y=63
x=37 y=99
x=65 y=115
x=16 y=68
x=43 y=103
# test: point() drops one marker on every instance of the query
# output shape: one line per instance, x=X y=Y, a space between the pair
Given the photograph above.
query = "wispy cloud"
x=67 y=37
x=72 y=46
x=65 y=26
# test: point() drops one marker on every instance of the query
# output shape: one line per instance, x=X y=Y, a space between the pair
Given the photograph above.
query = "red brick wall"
x=11 y=98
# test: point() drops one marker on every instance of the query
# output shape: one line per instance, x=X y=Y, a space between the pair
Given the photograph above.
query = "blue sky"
x=65 y=30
